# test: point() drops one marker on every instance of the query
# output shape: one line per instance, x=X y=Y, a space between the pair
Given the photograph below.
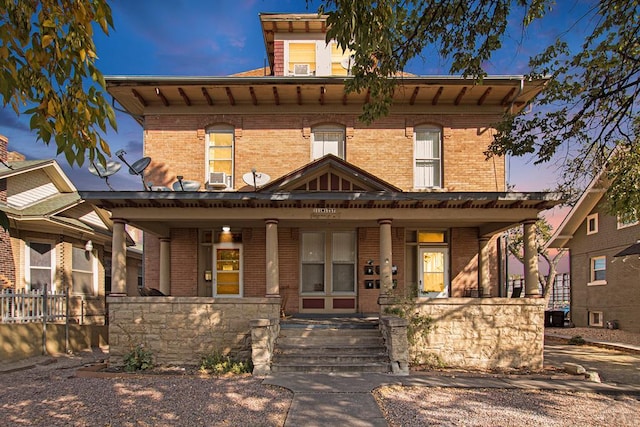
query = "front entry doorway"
x=328 y=282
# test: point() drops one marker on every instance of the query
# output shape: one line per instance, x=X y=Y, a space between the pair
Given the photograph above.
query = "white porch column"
x=530 y=261
x=165 y=265
x=386 y=281
x=484 y=276
x=273 y=264
x=119 y=259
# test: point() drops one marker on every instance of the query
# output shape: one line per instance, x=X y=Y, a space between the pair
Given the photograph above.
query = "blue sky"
x=213 y=38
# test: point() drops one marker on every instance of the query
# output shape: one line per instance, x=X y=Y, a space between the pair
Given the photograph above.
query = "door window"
x=433 y=273
x=228 y=266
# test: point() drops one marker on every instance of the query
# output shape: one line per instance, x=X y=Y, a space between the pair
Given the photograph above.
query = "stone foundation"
x=485 y=333
x=180 y=330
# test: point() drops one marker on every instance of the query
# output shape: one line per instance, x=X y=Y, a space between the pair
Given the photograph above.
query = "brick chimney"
x=7 y=266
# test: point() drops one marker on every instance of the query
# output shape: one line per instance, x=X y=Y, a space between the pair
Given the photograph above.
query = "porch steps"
x=330 y=345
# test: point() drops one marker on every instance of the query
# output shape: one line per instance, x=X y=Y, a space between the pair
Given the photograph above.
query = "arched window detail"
x=327 y=139
x=427 y=154
x=220 y=153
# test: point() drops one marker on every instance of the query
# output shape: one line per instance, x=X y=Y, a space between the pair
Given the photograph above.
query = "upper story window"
x=83 y=267
x=428 y=158
x=327 y=139
x=220 y=146
x=302 y=58
x=592 y=224
x=627 y=223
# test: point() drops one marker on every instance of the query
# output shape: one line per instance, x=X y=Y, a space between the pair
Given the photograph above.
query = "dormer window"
x=302 y=59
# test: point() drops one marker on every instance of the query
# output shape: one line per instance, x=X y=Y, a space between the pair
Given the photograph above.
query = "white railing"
x=32 y=306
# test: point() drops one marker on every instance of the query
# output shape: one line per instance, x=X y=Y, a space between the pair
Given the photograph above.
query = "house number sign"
x=324 y=213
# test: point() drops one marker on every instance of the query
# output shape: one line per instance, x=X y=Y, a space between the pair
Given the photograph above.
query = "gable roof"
x=578 y=213
x=328 y=173
x=50 y=167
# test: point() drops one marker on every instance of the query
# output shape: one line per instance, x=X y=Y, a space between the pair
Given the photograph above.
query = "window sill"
x=597 y=283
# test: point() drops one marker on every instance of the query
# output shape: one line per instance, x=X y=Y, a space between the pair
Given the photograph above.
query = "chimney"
x=4 y=143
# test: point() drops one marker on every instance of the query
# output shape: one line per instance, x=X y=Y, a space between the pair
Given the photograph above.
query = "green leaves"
x=47 y=59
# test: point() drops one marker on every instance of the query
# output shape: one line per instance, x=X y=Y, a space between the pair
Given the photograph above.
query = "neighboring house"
x=604 y=262
x=55 y=239
x=300 y=208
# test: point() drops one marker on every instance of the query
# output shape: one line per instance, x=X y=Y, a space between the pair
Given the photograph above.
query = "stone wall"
x=180 y=330
x=480 y=333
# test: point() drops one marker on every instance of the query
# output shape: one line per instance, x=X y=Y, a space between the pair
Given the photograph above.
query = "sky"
x=222 y=37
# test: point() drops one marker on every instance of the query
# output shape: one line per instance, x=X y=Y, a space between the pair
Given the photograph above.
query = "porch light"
x=226 y=228
x=88 y=246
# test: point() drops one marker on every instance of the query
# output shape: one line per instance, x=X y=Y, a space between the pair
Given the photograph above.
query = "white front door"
x=433 y=272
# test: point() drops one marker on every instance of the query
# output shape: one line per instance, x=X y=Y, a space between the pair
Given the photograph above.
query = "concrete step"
x=333 y=367
x=323 y=359
x=329 y=332
x=331 y=341
x=330 y=349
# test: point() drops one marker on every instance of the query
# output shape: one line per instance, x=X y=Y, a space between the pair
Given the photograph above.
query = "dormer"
x=296 y=46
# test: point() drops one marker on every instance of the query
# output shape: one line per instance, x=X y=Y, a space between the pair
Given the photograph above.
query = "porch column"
x=484 y=278
x=530 y=261
x=119 y=259
x=386 y=281
x=273 y=265
x=165 y=265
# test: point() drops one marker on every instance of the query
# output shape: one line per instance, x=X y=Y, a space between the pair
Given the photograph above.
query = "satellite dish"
x=257 y=179
x=139 y=166
x=185 y=185
x=347 y=62
x=105 y=172
x=159 y=188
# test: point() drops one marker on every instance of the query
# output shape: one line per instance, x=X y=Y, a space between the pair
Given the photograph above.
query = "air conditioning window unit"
x=218 y=180
x=301 y=69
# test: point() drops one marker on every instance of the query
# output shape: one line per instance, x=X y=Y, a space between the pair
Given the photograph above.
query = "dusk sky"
x=205 y=38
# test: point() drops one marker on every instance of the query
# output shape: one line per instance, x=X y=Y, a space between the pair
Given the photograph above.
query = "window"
x=82 y=272
x=302 y=59
x=39 y=268
x=598 y=271
x=228 y=270
x=428 y=160
x=622 y=223
x=327 y=139
x=595 y=318
x=592 y=224
x=340 y=248
x=220 y=144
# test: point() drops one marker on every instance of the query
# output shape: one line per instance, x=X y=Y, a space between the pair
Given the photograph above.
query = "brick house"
x=604 y=262
x=300 y=208
x=55 y=239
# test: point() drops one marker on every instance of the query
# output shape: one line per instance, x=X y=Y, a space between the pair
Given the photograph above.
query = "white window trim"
x=591 y=316
x=447 y=287
x=593 y=282
x=329 y=128
x=595 y=229
x=328 y=263
x=221 y=129
x=27 y=263
x=415 y=133
x=620 y=225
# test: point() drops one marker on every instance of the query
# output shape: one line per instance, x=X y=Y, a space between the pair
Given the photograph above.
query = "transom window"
x=220 y=146
x=428 y=159
x=327 y=139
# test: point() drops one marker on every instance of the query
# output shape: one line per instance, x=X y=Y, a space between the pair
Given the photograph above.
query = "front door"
x=328 y=272
x=433 y=273
x=228 y=267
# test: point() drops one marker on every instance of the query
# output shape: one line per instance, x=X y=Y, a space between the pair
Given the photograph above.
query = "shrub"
x=577 y=340
x=217 y=363
x=138 y=359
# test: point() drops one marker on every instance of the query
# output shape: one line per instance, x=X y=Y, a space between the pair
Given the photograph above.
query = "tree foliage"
x=588 y=108
x=48 y=71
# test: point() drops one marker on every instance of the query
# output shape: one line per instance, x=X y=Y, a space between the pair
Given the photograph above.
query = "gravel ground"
x=51 y=395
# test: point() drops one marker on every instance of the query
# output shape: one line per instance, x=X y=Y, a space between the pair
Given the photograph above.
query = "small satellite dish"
x=347 y=62
x=257 y=179
x=105 y=172
x=139 y=166
x=159 y=188
x=186 y=185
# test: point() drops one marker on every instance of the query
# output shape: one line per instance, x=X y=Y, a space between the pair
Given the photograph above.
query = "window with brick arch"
x=327 y=139
x=427 y=153
x=220 y=156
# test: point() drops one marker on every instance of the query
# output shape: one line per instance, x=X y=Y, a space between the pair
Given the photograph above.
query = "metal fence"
x=32 y=306
x=560 y=292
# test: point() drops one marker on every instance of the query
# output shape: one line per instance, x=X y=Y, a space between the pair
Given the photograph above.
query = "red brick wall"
x=289 y=254
x=278 y=58
x=464 y=260
x=151 y=273
x=7 y=262
x=184 y=262
x=254 y=245
x=278 y=144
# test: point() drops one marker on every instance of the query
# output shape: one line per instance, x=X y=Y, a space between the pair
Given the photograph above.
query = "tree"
x=543 y=233
x=588 y=108
x=48 y=71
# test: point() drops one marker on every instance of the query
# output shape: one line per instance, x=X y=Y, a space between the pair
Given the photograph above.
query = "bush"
x=138 y=359
x=577 y=340
x=217 y=363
